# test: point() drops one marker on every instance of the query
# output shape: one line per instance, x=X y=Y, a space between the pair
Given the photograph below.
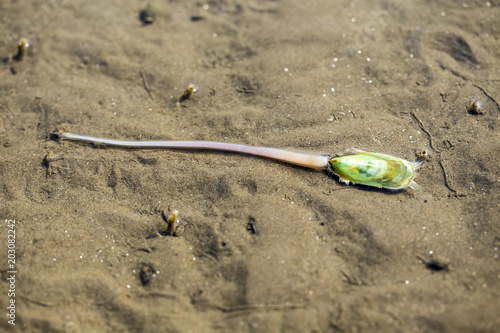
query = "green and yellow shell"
x=372 y=169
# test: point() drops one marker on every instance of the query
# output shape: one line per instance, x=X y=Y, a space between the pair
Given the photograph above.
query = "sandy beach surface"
x=262 y=246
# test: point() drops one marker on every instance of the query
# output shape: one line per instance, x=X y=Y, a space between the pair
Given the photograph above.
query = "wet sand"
x=267 y=247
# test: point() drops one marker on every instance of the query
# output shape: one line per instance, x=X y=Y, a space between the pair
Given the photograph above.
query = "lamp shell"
x=373 y=169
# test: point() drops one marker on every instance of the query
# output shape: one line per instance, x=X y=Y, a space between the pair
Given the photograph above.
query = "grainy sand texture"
x=265 y=247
